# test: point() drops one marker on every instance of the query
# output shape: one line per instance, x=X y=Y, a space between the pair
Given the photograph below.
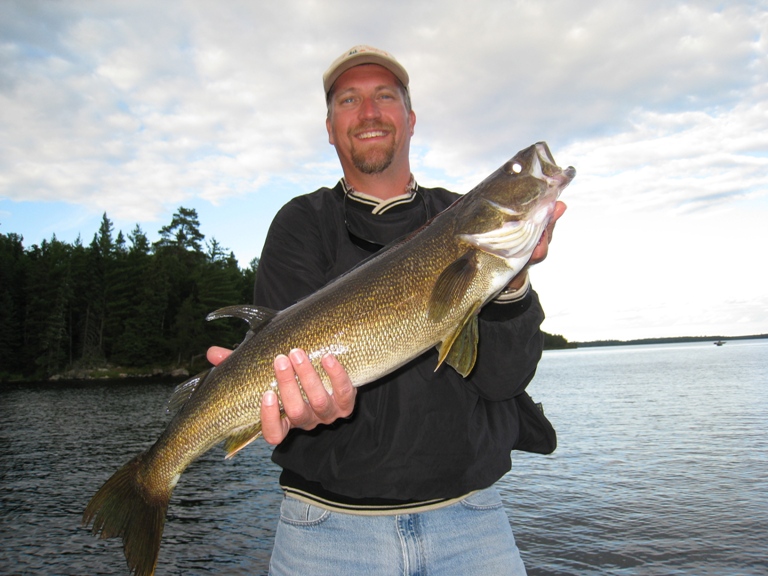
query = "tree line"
x=121 y=301
x=117 y=301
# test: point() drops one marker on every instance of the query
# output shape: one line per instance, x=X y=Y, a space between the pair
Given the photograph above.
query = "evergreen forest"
x=71 y=308
x=121 y=305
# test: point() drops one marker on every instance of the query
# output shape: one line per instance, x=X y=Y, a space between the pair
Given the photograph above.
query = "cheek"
x=337 y=130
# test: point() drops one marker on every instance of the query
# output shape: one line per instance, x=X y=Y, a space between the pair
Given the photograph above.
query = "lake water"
x=661 y=469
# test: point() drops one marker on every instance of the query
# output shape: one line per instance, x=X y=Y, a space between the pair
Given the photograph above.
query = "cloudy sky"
x=136 y=108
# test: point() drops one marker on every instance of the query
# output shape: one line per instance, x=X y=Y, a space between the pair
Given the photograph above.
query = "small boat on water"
x=719 y=342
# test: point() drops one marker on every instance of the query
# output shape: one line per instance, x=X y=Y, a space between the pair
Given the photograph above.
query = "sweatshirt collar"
x=377 y=205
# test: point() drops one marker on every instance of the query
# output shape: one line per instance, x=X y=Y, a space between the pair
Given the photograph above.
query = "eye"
x=346 y=98
x=513 y=167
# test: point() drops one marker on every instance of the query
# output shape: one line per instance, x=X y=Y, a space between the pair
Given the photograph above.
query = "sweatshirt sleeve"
x=510 y=345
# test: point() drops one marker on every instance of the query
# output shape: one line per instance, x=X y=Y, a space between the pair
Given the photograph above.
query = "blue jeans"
x=471 y=537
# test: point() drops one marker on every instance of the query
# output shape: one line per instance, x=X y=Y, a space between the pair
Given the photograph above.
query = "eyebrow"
x=378 y=88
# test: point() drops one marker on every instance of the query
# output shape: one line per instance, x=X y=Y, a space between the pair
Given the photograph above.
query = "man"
x=398 y=476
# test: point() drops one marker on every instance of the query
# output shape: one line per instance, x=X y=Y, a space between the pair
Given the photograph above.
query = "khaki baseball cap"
x=363 y=54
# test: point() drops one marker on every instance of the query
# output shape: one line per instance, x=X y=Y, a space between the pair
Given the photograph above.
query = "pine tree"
x=48 y=288
x=12 y=303
x=183 y=231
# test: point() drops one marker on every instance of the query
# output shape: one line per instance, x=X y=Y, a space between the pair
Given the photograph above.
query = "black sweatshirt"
x=417 y=434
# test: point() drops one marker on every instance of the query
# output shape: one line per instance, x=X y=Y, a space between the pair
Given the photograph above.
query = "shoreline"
x=110 y=372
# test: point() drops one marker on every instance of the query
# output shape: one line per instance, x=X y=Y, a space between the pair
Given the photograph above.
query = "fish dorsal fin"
x=451 y=285
x=460 y=349
x=240 y=439
x=183 y=392
x=256 y=316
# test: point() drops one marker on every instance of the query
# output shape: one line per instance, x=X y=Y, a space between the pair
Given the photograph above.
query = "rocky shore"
x=117 y=372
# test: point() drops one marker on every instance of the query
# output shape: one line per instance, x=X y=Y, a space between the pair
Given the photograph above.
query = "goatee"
x=374 y=159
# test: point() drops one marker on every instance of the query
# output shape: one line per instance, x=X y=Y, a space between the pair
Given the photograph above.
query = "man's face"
x=368 y=122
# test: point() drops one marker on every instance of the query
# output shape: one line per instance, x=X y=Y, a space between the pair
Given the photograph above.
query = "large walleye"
x=421 y=292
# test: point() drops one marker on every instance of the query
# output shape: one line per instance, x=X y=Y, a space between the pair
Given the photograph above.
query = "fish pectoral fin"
x=183 y=392
x=256 y=316
x=451 y=285
x=460 y=350
x=240 y=439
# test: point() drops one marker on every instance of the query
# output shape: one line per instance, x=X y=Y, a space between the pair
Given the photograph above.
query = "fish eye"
x=513 y=167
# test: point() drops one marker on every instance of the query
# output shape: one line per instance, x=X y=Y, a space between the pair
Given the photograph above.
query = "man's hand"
x=320 y=406
x=541 y=250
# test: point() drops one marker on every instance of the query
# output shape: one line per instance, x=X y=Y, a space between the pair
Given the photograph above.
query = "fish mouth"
x=549 y=171
x=563 y=178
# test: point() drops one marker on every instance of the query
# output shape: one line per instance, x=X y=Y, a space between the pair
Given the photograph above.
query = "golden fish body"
x=423 y=291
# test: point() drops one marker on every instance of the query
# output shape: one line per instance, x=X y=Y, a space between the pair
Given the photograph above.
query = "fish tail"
x=124 y=507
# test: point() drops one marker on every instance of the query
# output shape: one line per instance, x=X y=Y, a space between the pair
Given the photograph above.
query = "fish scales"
x=421 y=292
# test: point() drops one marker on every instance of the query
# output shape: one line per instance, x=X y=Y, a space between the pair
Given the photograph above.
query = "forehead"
x=365 y=76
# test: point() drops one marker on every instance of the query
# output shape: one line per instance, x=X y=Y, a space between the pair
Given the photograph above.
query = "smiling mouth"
x=371 y=134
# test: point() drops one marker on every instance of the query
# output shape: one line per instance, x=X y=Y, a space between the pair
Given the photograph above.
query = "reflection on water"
x=660 y=469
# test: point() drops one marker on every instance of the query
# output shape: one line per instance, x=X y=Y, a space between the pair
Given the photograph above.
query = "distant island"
x=672 y=340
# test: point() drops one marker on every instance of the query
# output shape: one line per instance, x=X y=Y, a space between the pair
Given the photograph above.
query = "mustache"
x=370 y=125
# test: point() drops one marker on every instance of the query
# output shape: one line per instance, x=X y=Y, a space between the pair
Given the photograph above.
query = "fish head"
x=526 y=182
x=513 y=206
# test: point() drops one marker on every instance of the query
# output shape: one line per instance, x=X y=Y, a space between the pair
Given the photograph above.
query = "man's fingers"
x=273 y=426
x=320 y=401
x=542 y=248
x=305 y=401
x=343 y=392
x=294 y=405
x=560 y=208
x=216 y=354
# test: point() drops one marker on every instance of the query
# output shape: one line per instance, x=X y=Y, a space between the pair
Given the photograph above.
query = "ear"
x=330 y=132
x=412 y=120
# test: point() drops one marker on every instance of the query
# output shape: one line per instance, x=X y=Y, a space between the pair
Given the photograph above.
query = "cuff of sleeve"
x=507 y=296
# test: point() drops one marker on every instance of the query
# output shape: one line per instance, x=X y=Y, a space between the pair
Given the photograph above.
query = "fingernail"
x=330 y=360
x=269 y=398
x=282 y=362
x=296 y=356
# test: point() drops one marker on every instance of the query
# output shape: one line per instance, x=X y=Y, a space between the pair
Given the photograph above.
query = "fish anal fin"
x=460 y=350
x=256 y=316
x=451 y=285
x=240 y=439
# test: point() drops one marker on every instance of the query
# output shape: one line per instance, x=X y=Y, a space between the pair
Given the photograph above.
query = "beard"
x=374 y=159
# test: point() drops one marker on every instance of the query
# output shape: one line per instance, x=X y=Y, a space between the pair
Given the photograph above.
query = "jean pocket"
x=300 y=513
x=487 y=499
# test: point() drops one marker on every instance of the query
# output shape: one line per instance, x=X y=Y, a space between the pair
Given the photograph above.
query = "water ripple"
x=660 y=470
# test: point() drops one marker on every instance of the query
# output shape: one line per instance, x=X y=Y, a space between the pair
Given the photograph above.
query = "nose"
x=369 y=108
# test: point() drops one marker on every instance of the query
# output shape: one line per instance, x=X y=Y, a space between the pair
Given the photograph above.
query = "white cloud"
x=137 y=108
